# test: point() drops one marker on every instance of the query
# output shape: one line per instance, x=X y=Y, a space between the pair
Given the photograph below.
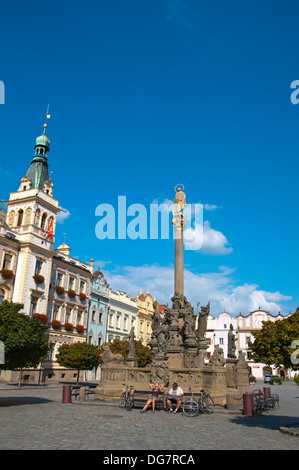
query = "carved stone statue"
x=203 y=320
x=231 y=353
x=156 y=320
x=189 y=323
x=132 y=351
x=217 y=358
x=242 y=363
x=107 y=356
x=162 y=337
x=180 y=200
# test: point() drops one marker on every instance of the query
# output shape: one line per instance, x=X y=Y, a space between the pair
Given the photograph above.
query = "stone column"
x=179 y=261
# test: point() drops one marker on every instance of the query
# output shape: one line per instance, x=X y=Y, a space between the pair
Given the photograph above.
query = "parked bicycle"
x=126 y=398
x=204 y=404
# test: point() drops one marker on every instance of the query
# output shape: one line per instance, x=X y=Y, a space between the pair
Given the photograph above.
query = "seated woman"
x=156 y=389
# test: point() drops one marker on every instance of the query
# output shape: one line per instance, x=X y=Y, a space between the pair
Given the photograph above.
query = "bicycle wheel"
x=129 y=403
x=122 y=400
x=190 y=408
x=208 y=405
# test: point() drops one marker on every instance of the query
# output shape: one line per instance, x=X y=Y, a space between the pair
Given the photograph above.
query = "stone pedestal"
x=132 y=361
x=202 y=352
x=231 y=373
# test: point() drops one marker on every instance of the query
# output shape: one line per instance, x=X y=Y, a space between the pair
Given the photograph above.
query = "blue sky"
x=147 y=94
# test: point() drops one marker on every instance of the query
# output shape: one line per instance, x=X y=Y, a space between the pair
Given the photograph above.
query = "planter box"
x=7 y=274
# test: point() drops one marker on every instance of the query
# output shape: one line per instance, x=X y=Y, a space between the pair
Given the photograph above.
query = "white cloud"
x=62 y=215
x=210 y=207
x=201 y=237
x=218 y=287
x=206 y=240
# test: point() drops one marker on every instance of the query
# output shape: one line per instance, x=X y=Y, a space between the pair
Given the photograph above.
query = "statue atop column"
x=203 y=321
x=231 y=350
x=132 y=358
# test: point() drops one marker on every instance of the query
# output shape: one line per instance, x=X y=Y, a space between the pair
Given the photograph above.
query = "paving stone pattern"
x=34 y=418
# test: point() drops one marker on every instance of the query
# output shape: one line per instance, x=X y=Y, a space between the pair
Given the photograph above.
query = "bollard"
x=248 y=404
x=82 y=393
x=230 y=401
x=267 y=392
x=67 y=394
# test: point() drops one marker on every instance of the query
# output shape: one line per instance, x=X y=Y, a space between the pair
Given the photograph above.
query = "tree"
x=274 y=343
x=142 y=352
x=25 y=343
x=80 y=356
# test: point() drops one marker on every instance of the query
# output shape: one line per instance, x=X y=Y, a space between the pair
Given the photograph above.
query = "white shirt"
x=178 y=391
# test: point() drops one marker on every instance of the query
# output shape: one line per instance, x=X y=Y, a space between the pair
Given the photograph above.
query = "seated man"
x=175 y=396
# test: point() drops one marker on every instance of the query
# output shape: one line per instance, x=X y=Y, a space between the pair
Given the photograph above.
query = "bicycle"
x=204 y=404
x=126 y=398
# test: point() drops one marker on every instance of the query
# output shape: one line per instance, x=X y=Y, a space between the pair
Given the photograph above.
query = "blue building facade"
x=98 y=309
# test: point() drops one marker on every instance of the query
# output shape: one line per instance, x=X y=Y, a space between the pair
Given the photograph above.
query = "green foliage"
x=296 y=379
x=272 y=344
x=79 y=356
x=24 y=340
x=275 y=380
x=142 y=352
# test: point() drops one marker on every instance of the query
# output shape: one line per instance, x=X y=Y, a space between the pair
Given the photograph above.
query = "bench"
x=264 y=403
x=140 y=398
x=75 y=391
x=185 y=397
x=89 y=390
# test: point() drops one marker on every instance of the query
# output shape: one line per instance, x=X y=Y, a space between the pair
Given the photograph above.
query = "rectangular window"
x=59 y=279
x=111 y=320
x=79 y=318
x=126 y=323
x=68 y=315
x=82 y=287
x=38 y=267
x=72 y=283
x=118 y=321
x=221 y=341
x=7 y=261
x=100 y=317
x=33 y=306
x=93 y=316
x=55 y=312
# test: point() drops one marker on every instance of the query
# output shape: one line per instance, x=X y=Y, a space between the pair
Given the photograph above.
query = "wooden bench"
x=185 y=397
x=140 y=398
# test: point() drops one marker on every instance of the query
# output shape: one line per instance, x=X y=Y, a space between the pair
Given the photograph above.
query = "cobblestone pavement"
x=36 y=419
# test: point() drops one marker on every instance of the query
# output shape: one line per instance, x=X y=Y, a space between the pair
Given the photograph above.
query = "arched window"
x=20 y=217
x=2 y=295
x=43 y=222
